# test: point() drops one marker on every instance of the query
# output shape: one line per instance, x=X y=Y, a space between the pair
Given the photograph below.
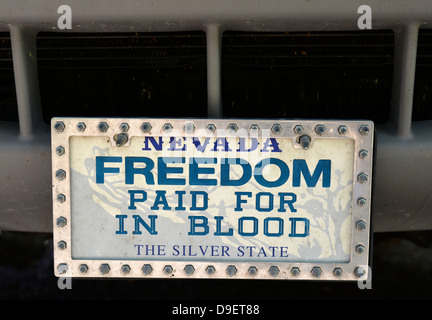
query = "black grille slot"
x=122 y=74
x=8 y=102
x=422 y=104
x=308 y=74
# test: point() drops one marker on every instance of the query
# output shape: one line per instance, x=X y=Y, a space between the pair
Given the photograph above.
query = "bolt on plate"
x=60 y=174
x=298 y=129
x=276 y=128
x=121 y=139
x=361 y=202
x=61 y=245
x=254 y=129
x=168 y=269
x=189 y=269
x=364 y=130
x=146 y=127
x=104 y=268
x=125 y=268
x=62 y=268
x=316 y=272
x=320 y=129
x=147 y=269
x=124 y=127
x=305 y=142
x=359 y=272
x=253 y=270
x=274 y=271
x=342 y=129
x=231 y=270
x=362 y=177
x=61 y=222
x=61 y=198
x=233 y=128
x=81 y=126
x=295 y=271
x=83 y=268
x=361 y=225
x=363 y=154
x=167 y=127
x=60 y=151
x=211 y=127
x=210 y=270
x=102 y=126
x=338 y=272
x=59 y=126
x=189 y=127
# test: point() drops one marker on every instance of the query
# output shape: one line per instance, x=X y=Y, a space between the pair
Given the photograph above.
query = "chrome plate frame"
x=361 y=132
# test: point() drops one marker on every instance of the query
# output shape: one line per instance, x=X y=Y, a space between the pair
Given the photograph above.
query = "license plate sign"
x=207 y=198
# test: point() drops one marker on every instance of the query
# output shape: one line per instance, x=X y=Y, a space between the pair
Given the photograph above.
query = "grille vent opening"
x=122 y=74
x=8 y=101
x=422 y=103
x=308 y=74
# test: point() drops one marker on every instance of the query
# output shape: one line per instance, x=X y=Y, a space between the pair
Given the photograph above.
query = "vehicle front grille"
x=422 y=104
x=8 y=102
x=122 y=74
x=344 y=74
x=308 y=74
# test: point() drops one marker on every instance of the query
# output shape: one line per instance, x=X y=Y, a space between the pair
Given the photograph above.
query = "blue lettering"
x=157 y=146
x=139 y=221
x=131 y=170
x=188 y=252
x=266 y=227
x=180 y=206
x=262 y=252
x=121 y=218
x=250 y=250
x=101 y=169
x=225 y=250
x=176 y=250
x=150 y=249
x=240 y=251
x=138 y=246
x=242 y=145
x=161 y=249
x=239 y=200
x=214 y=251
x=194 y=224
x=225 y=172
x=176 y=144
x=221 y=142
x=289 y=202
x=164 y=170
x=300 y=167
x=160 y=199
x=203 y=251
x=284 y=172
x=271 y=142
x=294 y=233
x=219 y=227
x=133 y=199
x=194 y=171
x=200 y=147
x=204 y=205
x=258 y=201
x=254 y=232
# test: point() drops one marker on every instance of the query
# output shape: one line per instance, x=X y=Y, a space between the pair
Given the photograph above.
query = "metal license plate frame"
x=361 y=134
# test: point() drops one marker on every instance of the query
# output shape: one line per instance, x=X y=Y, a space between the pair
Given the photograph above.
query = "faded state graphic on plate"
x=186 y=198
